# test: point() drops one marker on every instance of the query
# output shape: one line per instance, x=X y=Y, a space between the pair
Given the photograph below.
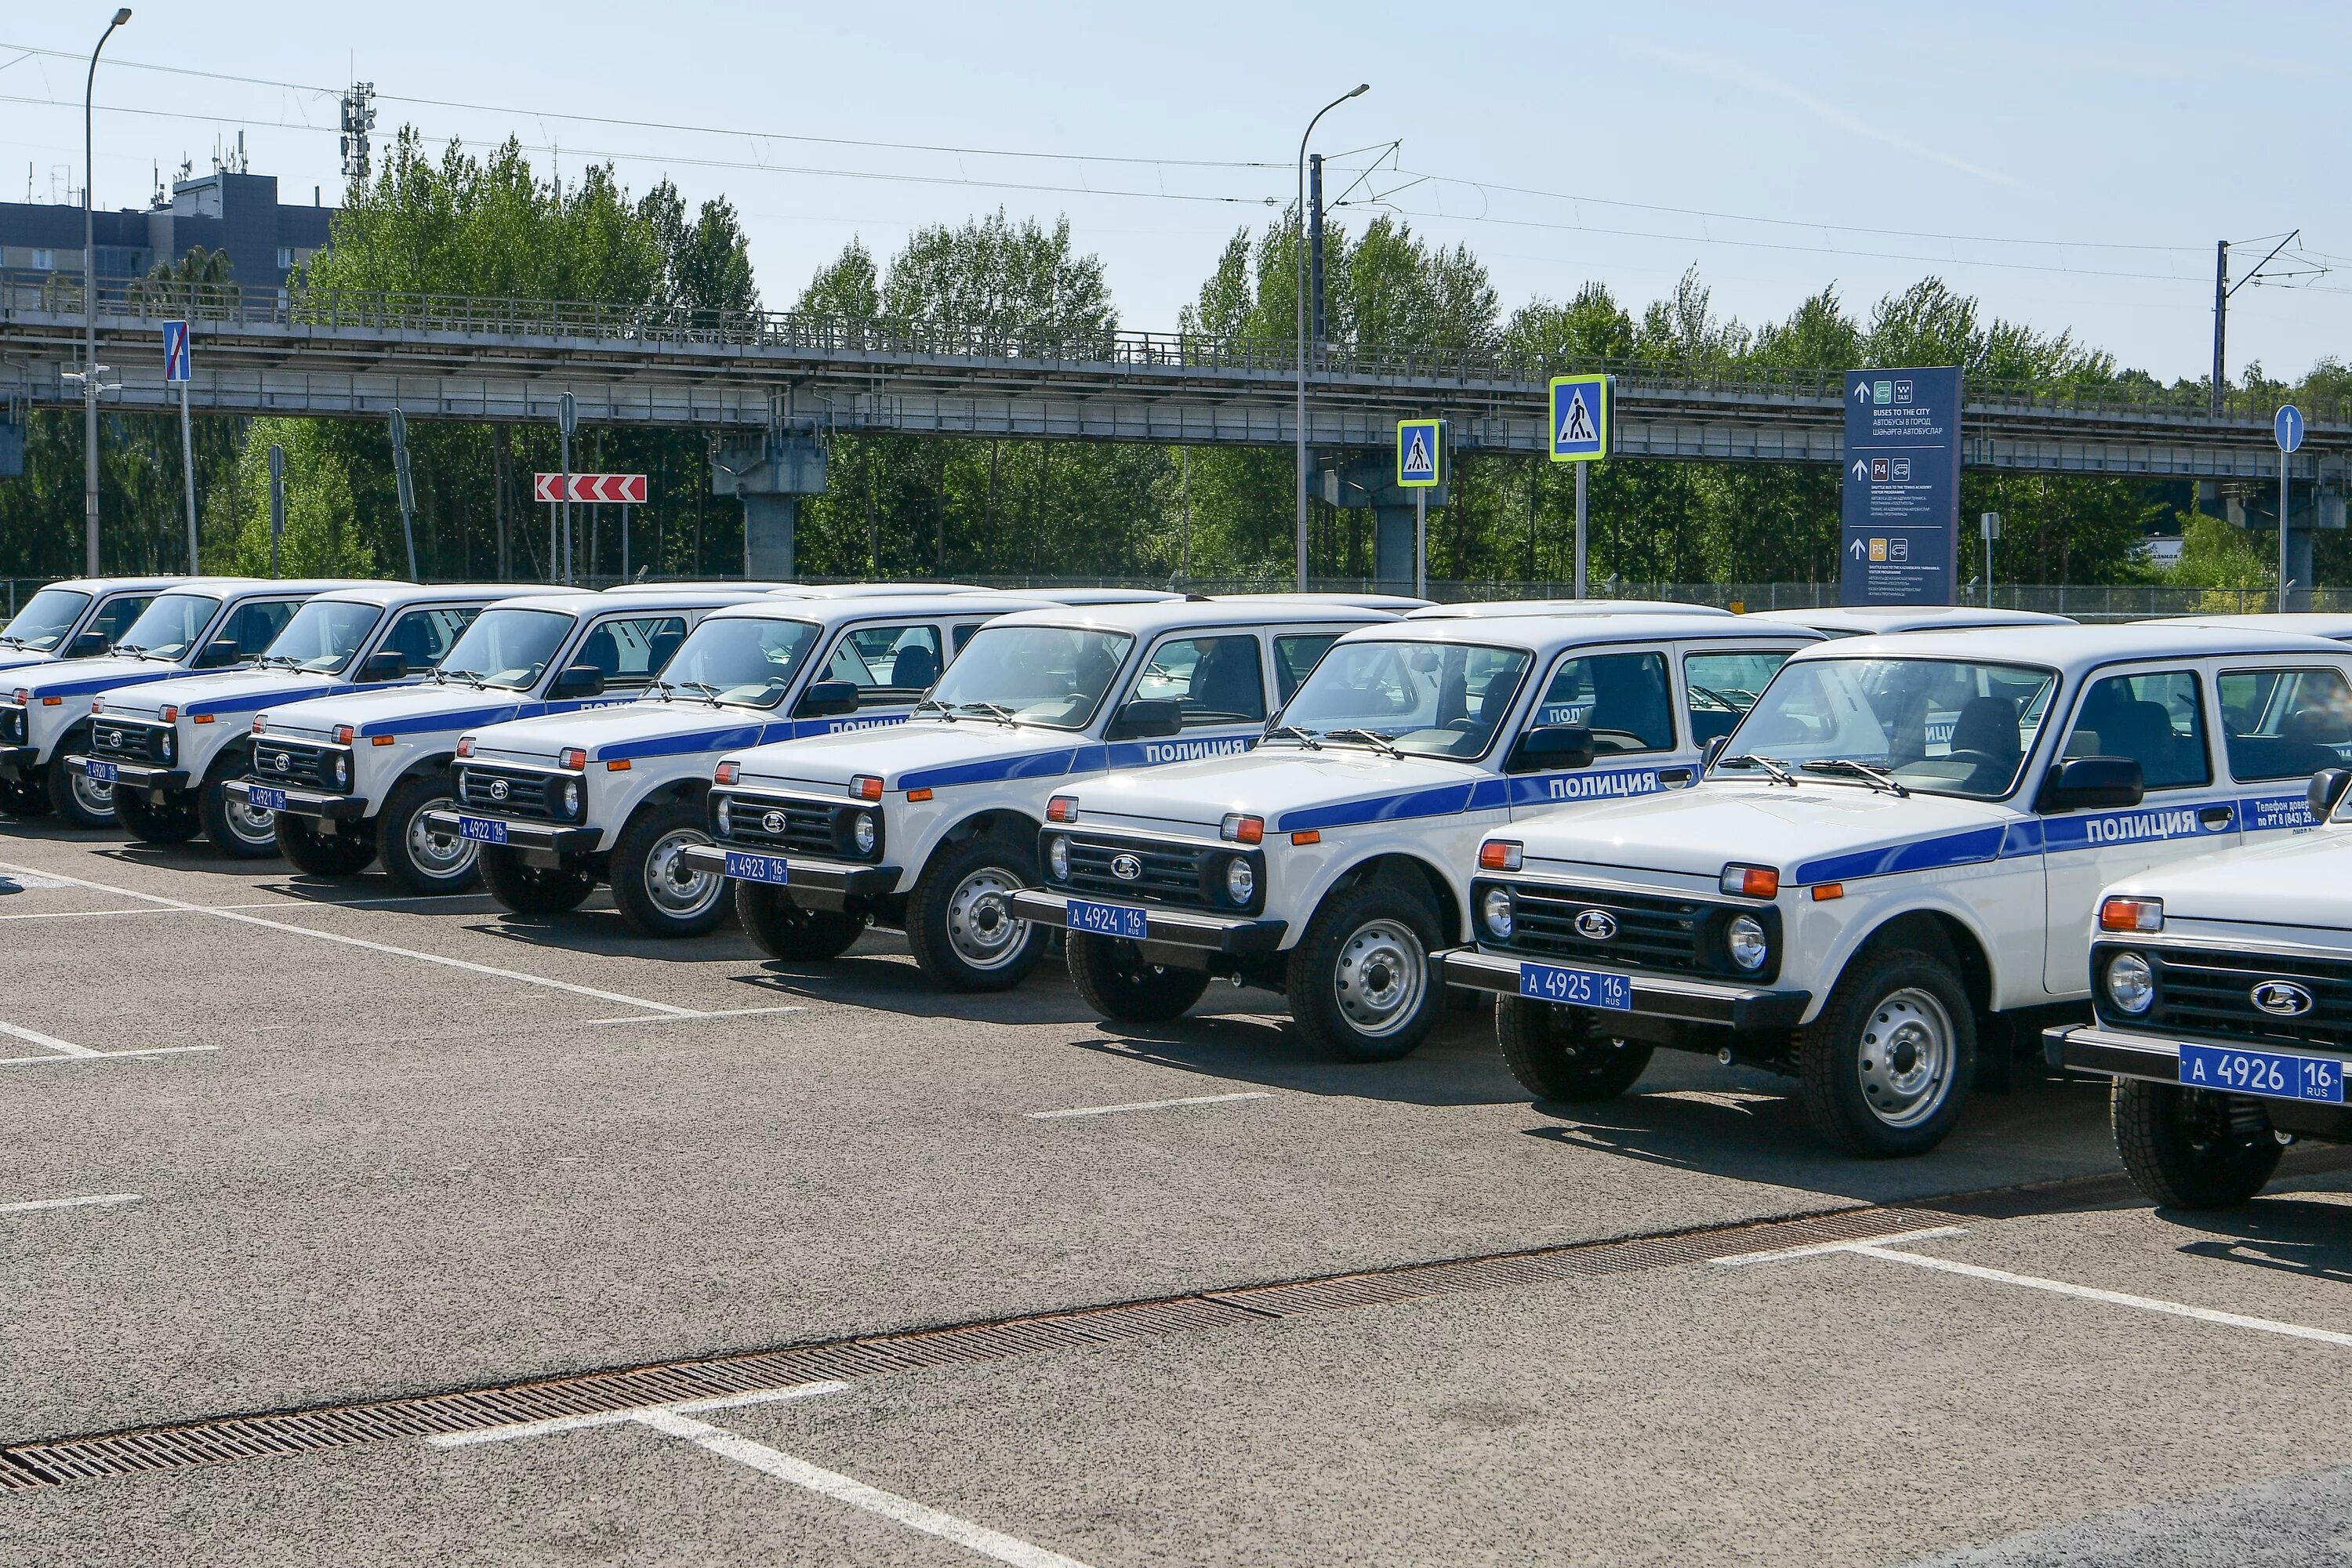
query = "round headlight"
x=2131 y=985
x=726 y=815
x=342 y=767
x=1495 y=913
x=1745 y=936
x=1240 y=880
x=862 y=832
x=169 y=737
x=1058 y=858
x=571 y=794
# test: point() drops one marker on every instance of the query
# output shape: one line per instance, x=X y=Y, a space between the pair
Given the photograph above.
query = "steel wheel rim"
x=980 y=924
x=249 y=823
x=1382 y=973
x=677 y=886
x=1906 y=1059
x=93 y=796
x=435 y=854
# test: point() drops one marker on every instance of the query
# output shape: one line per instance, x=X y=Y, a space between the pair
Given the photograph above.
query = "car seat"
x=1989 y=725
x=1226 y=679
x=1629 y=697
x=601 y=652
x=915 y=666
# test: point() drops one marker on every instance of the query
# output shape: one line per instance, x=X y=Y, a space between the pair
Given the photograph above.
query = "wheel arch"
x=1940 y=932
x=1407 y=871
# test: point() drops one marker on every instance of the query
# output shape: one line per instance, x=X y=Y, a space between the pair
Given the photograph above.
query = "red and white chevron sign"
x=628 y=490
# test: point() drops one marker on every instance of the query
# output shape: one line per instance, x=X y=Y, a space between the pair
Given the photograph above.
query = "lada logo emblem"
x=112 y=739
x=2282 y=998
x=1596 y=925
x=1126 y=867
x=497 y=789
x=773 y=823
x=283 y=761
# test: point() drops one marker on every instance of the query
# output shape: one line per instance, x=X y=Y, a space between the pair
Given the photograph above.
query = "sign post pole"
x=1581 y=416
x=176 y=368
x=277 y=502
x=403 y=486
x=1580 y=530
x=567 y=415
x=2288 y=427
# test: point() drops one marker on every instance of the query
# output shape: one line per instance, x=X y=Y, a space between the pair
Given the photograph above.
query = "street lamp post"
x=90 y=308
x=1298 y=272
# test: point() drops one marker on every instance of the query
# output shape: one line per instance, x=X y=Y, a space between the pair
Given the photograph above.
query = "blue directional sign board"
x=1579 y=418
x=177 y=367
x=2288 y=427
x=1902 y=537
x=1421 y=454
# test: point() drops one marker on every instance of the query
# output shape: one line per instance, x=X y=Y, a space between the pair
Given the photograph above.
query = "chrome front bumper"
x=1722 y=1004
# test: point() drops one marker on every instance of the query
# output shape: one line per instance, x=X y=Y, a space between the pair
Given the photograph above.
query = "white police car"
x=77 y=618
x=932 y=826
x=1895 y=857
x=170 y=749
x=351 y=777
x=635 y=777
x=1333 y=860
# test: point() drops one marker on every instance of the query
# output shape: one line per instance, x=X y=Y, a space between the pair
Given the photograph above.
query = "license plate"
x=1576 y=988
x=1106 y=920
x=482 y=829
x=770 y=868
x=99 y=772
x=2275 y=1075
x=261 y=797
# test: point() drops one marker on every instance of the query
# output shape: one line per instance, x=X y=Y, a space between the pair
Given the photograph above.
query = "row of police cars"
x=1886 y=854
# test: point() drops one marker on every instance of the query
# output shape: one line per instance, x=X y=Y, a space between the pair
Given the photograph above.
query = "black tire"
x=654 y=888
x=416 y=861
x=533 y=889
x=320 y=849
x=1558 y=1053
x=2191 y=1148
x=1360 y=980
x=22 y=800
x=175 y=822
x=235 y=831
x=783 y=930
x=75 y=798
x=1887 y=1067
x=960 y=921
x=1115 y=979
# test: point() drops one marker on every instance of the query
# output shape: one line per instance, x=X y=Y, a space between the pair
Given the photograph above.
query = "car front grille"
x=1166 y=873
x=507 y=792
x=122 y=741
x=2209 y=993
x=771 y=822
x=295 y=763
x=1649 y=931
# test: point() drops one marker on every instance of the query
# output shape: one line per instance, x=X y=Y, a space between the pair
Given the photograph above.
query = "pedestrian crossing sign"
x=1579 y=418
x=1421 y=454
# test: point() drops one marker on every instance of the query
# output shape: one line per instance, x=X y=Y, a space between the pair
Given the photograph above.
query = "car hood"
x=2298 y=881
x=386 y=710
x=647 y=728
x=1813 y=833
x=227 y=691
x=87 y=676
x=926 y=753
x=1290 y=787
x=18 y=658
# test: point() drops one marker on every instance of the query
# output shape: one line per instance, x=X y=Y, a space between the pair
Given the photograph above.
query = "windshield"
x=1055 y=675
x=749 y=662
x=46 y=619
x=323 y=635
x=507 y=648
x=170 y=627
x=1441 y=700
x=1938 y=725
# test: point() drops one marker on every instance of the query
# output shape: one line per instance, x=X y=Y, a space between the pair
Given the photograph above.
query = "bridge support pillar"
x=1366 y=481
x=769 y=472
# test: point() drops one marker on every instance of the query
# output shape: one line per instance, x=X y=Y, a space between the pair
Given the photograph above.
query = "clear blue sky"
x=2102 y=126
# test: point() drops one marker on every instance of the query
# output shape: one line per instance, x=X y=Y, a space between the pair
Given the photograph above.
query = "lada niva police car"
x=171 y=749
x=774 y=669
x=1892 y=861
x=2222 y=990
x=78 y=618
x=1332 y=861
x=351 y=777
x=932 y=827
x=201 y=623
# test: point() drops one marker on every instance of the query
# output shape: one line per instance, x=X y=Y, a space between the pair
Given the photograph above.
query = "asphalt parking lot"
x=275 y=1144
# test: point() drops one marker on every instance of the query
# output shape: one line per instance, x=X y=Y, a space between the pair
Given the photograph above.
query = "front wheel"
x=238 y=828
x=1115 y=979
x=1887 y=1066
x=659 y=891
x=2191 y=1148
x=418 y=859
x=1358 y=982
x=960 y=918
x=529 y=889
x=783 y=930
x=1560 y=1053
x=320 y=849
x=172 y=823
x=79 y=798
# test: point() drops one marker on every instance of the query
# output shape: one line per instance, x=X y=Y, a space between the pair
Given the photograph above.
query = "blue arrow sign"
x=1579 y=418
x=176 y=358
x=1421 y=445
x=2288 y=427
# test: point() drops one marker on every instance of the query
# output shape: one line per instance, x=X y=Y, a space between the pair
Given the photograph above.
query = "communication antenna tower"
x=359 y=119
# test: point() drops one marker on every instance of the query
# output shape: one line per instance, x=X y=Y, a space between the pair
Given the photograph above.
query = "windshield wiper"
x=1778 y=769
x=1306 y=738
x=997 y=711
x=945 y=712
x=1380 y=740
x=1876 y=778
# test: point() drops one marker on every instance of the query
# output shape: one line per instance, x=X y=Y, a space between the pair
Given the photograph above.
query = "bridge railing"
x=127 y=303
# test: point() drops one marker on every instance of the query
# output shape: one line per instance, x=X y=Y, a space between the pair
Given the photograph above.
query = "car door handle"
x=2215 y=817
x=1674 y=778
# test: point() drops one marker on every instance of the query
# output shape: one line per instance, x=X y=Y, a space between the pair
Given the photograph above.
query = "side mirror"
x=1551 y=748
x=826 y=698
x=1715 y=749
x=385 y=665
x=219 y=655
x=90 y=644
x=578 y=681
x=2090 y=783
x=1146 y=719
x=2326 y=788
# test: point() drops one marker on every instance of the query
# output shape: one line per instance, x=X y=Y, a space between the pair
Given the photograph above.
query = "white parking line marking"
x=688 y=1017
x=67 y=1051
x=1821 y=1249
x=614 y=1417
x=96 y=914
x=339 y=939
x=50 y=1042
x=102 y=1200
x=1148 y=1105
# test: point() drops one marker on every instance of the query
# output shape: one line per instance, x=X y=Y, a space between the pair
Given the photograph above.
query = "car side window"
x=630 y=651
x=1213 y=680
x=425 y=636
x=2285 y=724
x=964 y=633
x=1294 y=658
x=254 y=626
x=1620 y=697
x=114 y=617
x=1720 y=688
x=895 y=660
x=2157 y=719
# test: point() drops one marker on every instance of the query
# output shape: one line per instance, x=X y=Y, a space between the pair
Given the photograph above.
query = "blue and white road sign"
x=1421 y=454
x=176 y=358
x=1579 y=418
x=1902 y=493
x=2288 y=427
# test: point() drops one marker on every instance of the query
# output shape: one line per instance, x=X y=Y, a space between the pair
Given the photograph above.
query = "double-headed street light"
x=90 y=308
x=1298 y=272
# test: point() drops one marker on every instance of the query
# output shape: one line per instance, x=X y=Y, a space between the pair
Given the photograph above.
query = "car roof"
x=1489 y=609
x=397 y=593
x=1400 y=603
x=254 y=586
x=1873 y=619
x=117 y=585
x=1147 y=620
x=580 y=602
x=1096 y=596
x=831 y=612
x=715 y=585
x=2335 y=625
x=869 y=590
x=1539 y=633
x=2076 y=646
